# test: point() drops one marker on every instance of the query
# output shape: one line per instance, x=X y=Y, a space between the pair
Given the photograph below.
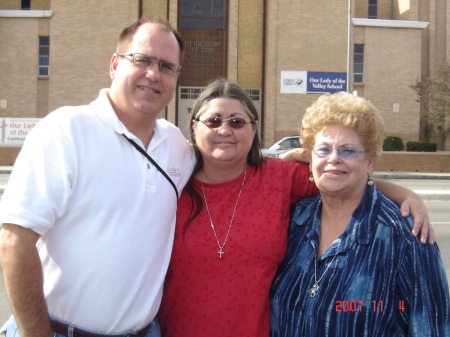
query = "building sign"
x=204 y=56
x=312 y=82
x=14 y=130
x=293 y=82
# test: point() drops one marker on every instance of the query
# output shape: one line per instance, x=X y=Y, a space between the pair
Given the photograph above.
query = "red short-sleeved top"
x=206 y=295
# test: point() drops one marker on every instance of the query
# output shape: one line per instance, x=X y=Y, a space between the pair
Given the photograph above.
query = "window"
x=254 y=94
x=190 y=93
x=358 y=63
x=290 y=143
x=26 y=4
x=203 y=14
x=44 y=55
x=373 y=9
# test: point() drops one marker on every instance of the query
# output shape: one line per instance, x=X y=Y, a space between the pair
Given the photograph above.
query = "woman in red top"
x=232 y=222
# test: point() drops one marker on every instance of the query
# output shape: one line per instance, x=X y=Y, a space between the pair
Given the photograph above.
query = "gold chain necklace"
x=315 y=288
x=221 y=252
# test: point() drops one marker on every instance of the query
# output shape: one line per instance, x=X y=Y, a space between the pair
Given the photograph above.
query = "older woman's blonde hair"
x=349 y=111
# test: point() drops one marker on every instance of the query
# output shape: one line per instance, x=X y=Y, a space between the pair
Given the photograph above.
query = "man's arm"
x=411 y=203
x=22 y=273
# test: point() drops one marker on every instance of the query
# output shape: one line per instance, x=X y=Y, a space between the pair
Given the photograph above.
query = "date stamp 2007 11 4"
x=359 y=305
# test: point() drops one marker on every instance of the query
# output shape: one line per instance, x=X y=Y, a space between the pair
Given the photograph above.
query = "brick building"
x=57 y=52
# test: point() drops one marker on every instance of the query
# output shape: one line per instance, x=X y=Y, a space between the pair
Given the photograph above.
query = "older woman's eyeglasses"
x=216 y=122
x=345 y=152
x=144 y=61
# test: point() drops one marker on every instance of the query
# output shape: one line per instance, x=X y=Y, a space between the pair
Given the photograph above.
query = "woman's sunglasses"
x=216 y=122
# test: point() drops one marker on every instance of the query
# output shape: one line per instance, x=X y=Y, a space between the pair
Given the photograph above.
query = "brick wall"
x=8 y=155
x=414 y=162
x=296 y=40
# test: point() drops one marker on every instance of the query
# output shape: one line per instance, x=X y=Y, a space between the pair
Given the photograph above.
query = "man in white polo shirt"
x=88 y=219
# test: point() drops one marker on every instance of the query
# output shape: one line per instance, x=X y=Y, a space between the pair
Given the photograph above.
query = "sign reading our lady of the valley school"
x=14 y=130
x=312 y=82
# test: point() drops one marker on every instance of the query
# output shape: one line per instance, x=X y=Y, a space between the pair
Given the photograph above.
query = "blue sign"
x=323 y=82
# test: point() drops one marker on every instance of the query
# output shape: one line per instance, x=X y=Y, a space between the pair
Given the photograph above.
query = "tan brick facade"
x=414 y=162
x=262 y=39
x=79 y=54
x=18 y=66
x=393 y=63
x=299 y=37
x=250 y=43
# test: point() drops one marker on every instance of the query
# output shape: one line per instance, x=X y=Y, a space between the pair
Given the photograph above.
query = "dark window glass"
x=43 y=71
x=358 y=58
x=358 y=78
x=358 y=68
x=44 y=50
x=219 y=12
x=373 y=13
x=43 y=61
x=373 y=9
x=202 y=23
x=188 y=11
x=359 y=48
x=203 y=14
x=44 y=40
x=26 y=4
x=186 y=23
x=358 y=63
x=218 y=23
x=203 y=3
x=44 y=55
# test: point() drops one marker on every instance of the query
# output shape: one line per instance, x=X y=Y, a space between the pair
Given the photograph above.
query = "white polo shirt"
x=106 y=216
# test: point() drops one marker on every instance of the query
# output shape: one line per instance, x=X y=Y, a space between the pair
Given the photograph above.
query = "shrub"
x=415 y=146
x=392 y=143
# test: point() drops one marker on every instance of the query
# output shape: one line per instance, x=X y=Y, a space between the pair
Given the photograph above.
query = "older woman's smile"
x=335 y=176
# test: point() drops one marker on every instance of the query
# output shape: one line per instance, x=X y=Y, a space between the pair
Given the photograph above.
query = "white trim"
x=26 y=13
x=389 y=23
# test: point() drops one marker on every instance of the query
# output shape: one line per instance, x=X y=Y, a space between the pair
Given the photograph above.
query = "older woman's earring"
x=369 y=181
x=311 y=178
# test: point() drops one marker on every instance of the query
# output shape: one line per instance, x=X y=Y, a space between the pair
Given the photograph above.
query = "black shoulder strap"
x=141 y=150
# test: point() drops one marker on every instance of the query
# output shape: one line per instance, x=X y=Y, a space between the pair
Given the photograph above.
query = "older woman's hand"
x=415 y=206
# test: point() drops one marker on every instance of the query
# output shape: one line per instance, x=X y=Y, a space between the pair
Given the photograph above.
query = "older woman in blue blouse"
x=352 y=267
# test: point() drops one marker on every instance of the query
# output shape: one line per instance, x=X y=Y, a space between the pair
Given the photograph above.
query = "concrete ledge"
x=25 y=13
x=398 y=175
x=390 y=23
x=414 y=161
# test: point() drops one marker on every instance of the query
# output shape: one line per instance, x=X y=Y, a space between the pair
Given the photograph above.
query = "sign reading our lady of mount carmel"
x=312 y=82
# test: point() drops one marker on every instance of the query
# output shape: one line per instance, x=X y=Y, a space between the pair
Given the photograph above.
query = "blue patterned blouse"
x=376 y=279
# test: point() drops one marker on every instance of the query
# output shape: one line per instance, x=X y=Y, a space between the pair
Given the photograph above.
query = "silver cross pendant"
x=314 y=289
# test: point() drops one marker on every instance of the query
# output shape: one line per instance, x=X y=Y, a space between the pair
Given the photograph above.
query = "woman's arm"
x=411 y=203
